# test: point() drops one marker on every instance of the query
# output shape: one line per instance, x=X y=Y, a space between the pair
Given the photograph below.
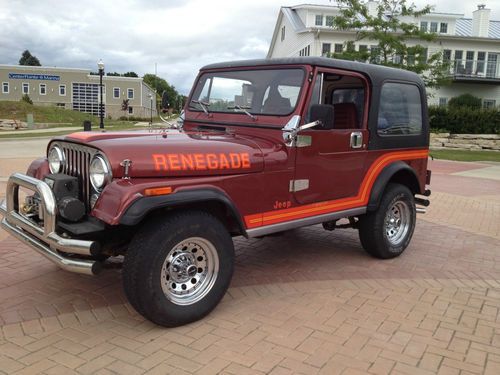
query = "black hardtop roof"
x=375 y=72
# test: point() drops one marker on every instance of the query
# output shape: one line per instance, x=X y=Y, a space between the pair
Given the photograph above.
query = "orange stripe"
x=361 y=199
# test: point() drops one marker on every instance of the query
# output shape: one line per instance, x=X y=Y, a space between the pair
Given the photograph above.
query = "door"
x=330 y=161
x=492 y=66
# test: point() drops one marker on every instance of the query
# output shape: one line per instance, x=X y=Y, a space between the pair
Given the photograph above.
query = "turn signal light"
x=158 y=191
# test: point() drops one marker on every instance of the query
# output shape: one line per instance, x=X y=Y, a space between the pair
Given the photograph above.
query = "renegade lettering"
x=200 y=162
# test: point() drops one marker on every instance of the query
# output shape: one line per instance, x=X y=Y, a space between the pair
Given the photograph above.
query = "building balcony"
x=475 y=71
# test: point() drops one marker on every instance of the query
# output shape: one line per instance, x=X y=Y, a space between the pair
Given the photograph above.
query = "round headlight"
x=56 y=159
x=100 y=174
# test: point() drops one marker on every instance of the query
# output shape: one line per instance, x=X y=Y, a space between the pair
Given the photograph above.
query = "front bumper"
x=61 y=251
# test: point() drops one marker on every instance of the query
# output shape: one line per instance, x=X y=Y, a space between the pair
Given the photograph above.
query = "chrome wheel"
x=397 y=222
x=189 y=271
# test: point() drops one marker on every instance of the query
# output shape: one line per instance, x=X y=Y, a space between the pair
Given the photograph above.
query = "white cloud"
x=179 y=35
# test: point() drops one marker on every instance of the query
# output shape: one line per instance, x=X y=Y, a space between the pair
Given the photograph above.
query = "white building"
x=77 y=89
x=472 y=45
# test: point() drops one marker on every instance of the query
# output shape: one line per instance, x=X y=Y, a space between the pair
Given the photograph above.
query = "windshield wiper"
x=203 y=105
x=244 y=110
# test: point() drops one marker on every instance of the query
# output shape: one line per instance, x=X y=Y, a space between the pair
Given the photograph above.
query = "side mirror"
x=165 y=105
x=323 y=113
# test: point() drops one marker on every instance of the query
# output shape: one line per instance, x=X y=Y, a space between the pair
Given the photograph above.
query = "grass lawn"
x=43 y=114
x=466 y=155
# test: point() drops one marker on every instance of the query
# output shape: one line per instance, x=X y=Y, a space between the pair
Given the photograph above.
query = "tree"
x=125 y=106
x=28 y=59
x=113 y=74
x=160 y=85
x=387 y=27
x=26 y=98
x=131 y=74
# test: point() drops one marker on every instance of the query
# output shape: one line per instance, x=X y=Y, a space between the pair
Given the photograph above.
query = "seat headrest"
x=346 y=116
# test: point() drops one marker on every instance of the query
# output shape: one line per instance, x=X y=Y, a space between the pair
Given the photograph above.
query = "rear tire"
x=386 y=232
x=178 y=268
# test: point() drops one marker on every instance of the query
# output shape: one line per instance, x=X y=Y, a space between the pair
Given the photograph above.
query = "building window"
x=130 y=110
x=329 y=21
x=444 y=28
x=447 y=55
x=363 y=48
x=326 y=49
x=43 y=89
x=5 y=87
x=423 y=26
x=116 y=92
x=375 y=54
x=283 y=33
x=306 y=51
x=489 y=103
x=459 y=63
x=434 y=27
x=423 y=56
x=443 y=102
x=481 y=58
x=26 y=88
x=61 y=105
x=62 y=90
x=469 y=62
x=338 y=47
x=130 y=93
x=319 y=20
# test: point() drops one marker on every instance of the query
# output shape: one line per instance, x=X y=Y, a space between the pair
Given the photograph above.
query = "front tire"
x=178 y=268
x=386 y=232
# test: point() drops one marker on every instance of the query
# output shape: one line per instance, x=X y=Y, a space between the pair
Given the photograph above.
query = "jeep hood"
x=174 y=153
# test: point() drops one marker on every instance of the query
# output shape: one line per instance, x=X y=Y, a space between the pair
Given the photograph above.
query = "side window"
x=400 y=110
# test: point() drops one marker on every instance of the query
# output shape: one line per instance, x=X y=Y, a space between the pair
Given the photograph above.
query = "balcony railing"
x=475 y=69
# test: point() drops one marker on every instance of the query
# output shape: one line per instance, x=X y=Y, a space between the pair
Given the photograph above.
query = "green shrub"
x=465 y=101
x=465 y=120
x=26 y=98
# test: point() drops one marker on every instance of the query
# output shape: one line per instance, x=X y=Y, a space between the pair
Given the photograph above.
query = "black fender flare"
x=398 y=167
x=142 y=206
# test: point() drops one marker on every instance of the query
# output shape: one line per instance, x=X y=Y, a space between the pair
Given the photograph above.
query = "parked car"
x=264 y=146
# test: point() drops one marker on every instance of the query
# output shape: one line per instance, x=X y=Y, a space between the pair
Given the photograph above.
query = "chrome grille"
x=77 y=164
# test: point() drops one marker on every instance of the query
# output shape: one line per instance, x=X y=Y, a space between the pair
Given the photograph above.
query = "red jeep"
x=263 y=146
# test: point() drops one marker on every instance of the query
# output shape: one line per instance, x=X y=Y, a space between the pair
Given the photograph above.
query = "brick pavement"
x=309 y=301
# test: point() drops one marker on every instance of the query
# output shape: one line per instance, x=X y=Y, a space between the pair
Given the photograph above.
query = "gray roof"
x=294 y=19
x=464 y=28
x=463 y=25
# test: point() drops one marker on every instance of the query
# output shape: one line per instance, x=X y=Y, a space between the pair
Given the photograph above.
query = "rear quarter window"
x=400 y=110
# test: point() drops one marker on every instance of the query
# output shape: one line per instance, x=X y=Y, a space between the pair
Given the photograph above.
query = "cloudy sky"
x=179 y=35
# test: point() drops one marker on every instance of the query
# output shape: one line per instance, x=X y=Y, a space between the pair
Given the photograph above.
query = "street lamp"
x=151 y=98
x=100 y=65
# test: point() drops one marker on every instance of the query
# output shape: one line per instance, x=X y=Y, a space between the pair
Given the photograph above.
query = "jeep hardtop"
x=262 y=147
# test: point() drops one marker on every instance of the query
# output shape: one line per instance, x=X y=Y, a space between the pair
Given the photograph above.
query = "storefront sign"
x=43 y=77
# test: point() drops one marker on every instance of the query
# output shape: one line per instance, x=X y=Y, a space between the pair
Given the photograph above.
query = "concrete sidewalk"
x=307 y=302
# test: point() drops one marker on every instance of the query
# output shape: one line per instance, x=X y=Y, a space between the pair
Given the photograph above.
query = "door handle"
x=356 y=140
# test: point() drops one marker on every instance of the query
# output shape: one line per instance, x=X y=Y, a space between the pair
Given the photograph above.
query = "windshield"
x=266 y=92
